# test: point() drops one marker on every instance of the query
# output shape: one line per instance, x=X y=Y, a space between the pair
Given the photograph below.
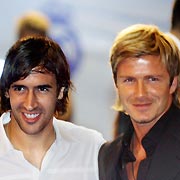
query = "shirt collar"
x=150 y=140
x=127 y=155
x=5 y=145
x=62 y=143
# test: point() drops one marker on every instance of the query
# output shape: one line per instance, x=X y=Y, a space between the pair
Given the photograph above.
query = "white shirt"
x=1 y=66
x=73 y=156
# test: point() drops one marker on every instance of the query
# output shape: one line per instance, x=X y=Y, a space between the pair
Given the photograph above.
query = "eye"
x=43 y=88
x=18 y=88
x=152 y=78
x=128 y=80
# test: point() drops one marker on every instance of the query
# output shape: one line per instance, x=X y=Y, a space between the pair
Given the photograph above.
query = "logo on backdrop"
x=63 y=31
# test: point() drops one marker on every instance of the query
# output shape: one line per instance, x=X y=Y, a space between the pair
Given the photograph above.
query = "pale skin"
x=144 y=89
x=33 y=101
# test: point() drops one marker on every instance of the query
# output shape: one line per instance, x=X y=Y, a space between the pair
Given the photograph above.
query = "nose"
x=141 y=89
x=30 y=101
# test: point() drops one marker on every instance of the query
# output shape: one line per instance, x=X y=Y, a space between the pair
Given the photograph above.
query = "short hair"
x=141 y=39
x=175 y=18
x=33 y=22
x=31 y=52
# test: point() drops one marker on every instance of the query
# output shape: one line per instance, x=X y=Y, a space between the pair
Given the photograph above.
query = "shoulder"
x=5 y=117
x=173 y=123
x=76 y=133
x=174 y=113
x=108 y=159
x=112 y=148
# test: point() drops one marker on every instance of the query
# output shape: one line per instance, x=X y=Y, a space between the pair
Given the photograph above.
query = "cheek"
x=15 y=100
x=124 y=91
x=49 y=102
x=123 y=95
x=160 y=91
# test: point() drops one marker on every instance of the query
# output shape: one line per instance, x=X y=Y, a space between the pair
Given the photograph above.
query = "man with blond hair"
x=145 y=64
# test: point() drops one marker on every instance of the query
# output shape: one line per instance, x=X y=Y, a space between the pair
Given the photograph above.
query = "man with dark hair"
x=36 y=23
x=33 y=143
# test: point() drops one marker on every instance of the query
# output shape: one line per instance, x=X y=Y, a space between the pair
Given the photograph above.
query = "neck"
x=21 y=140
x=139 y=153
x=33 y=147
x=140 y=132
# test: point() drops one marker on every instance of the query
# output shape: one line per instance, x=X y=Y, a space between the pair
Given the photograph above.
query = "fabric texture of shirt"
x=73 y=155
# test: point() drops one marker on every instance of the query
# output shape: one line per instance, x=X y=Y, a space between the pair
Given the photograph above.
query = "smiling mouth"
x=142 y=107
x=31 y=116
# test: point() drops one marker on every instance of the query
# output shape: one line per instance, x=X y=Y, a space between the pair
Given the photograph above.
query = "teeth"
x=31 y=115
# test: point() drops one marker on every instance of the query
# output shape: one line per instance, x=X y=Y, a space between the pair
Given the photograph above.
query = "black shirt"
x=149 y=142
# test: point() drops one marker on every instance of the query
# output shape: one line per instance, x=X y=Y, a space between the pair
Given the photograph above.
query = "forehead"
x=148 y=63
x=37 y=78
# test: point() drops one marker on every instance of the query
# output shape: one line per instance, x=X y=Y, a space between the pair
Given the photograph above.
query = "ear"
x=61 y=93
x=6 y=94
x=174 y=85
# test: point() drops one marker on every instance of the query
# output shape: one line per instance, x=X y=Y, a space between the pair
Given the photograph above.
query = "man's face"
x=144 y=88
x=33 y=102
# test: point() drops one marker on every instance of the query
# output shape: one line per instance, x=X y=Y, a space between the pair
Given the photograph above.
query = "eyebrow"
x=44 y=85
x=39 y=86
